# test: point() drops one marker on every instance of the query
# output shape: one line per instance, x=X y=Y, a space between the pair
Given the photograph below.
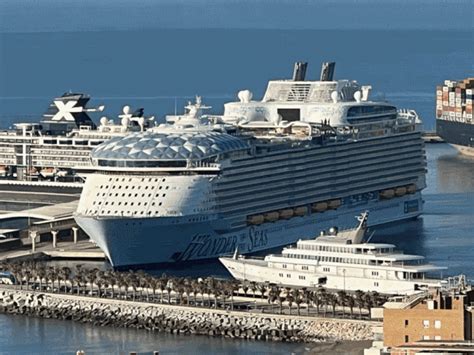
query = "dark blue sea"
x=161 y=69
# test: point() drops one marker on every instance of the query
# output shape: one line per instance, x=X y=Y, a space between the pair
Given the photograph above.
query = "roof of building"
x=168 y=146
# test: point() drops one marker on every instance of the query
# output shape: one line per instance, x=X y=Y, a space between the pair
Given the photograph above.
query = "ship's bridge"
x=175 y=149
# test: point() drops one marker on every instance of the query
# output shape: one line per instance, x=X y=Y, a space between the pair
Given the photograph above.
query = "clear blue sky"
x=80 y=15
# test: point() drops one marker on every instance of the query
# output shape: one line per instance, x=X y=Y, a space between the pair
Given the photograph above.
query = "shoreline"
x=177 y=319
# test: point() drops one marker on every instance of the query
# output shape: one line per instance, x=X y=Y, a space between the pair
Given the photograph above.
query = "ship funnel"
x=299 y=71
x=327 y=71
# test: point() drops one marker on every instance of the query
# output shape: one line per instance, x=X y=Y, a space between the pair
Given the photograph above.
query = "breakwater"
x=182 y=319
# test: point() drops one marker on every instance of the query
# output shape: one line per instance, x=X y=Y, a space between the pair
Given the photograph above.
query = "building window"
x=376 y=284
x=284 y=266
x=437 y=324
x=406 y=322
x=426 y=324
x=407 y=338
x=288 y=275
x=437 y=337
x=426 y=337
x=280 y=274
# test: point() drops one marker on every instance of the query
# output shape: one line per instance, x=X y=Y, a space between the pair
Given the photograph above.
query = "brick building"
x=440 y=316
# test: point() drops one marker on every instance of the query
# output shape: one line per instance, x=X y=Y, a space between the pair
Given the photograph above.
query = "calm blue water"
x=150 y=68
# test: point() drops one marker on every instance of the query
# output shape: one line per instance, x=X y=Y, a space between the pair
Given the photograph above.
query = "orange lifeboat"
x=319 y=207
x=400 y=191
x=286 y=213
x=255 y=219
x=411 y=189
x=387 y=194
x=333 y=204
x=271 y=216
x=301 y=211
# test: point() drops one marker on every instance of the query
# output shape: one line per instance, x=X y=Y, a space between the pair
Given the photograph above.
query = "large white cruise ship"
x=340 y=260
x=308 y=156
x=59 y=146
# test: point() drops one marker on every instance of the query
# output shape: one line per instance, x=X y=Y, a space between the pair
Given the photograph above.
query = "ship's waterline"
x=307 y=156
x=141 y=241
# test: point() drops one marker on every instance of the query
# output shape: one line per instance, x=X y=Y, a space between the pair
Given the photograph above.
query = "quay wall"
x=183 y=319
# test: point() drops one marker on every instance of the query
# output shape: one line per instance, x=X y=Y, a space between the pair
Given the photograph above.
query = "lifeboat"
x=319 y=207
x=256 y=219
x=301 y=211
x=387 y=194
x=285 y=214
x=400 y=191
x=271 y=216
x=411 y=189
x=333 y=204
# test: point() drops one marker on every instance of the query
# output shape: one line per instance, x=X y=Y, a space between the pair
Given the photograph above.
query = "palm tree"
x=281 y=299
x=360 y=302
x=253 y=287
x=319 y=297
x=290 y=299
x=262 y=287
x=368 y=301
x=273 y=295
x=332 y=300
x=350 y=302
x=341 y=300
x=298 y=300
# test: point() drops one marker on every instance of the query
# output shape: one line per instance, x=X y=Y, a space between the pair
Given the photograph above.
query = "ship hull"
x=132 y=242
x=458 y=134
x=259 y=271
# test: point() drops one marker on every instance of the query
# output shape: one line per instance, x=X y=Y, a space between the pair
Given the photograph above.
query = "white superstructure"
x=339 y=260
x=59 y=146
x=309 y=155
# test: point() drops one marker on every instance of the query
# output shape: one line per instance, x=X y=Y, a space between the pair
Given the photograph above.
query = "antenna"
x=370 y=237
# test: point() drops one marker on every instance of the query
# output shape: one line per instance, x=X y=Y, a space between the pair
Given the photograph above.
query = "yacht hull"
x=259 y=271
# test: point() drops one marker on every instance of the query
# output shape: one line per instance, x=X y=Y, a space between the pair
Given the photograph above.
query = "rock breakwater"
x=181 y=319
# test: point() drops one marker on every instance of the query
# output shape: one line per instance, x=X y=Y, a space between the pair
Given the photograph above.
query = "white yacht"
x=339 y=260
x=309 y=155
x=59 y=146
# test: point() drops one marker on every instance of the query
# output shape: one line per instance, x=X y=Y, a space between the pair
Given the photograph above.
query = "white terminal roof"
x=168 y=146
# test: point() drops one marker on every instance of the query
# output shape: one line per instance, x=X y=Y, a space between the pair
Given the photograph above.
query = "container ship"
x=454 y=109
x=308 y=156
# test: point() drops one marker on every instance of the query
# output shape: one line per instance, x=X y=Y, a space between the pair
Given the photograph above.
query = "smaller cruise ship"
x=58 y=147
x=339 y=260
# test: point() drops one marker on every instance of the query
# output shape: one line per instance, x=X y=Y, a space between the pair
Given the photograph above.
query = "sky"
x=96 y=15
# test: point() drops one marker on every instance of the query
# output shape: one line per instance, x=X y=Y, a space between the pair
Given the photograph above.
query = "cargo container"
x=454 y=113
